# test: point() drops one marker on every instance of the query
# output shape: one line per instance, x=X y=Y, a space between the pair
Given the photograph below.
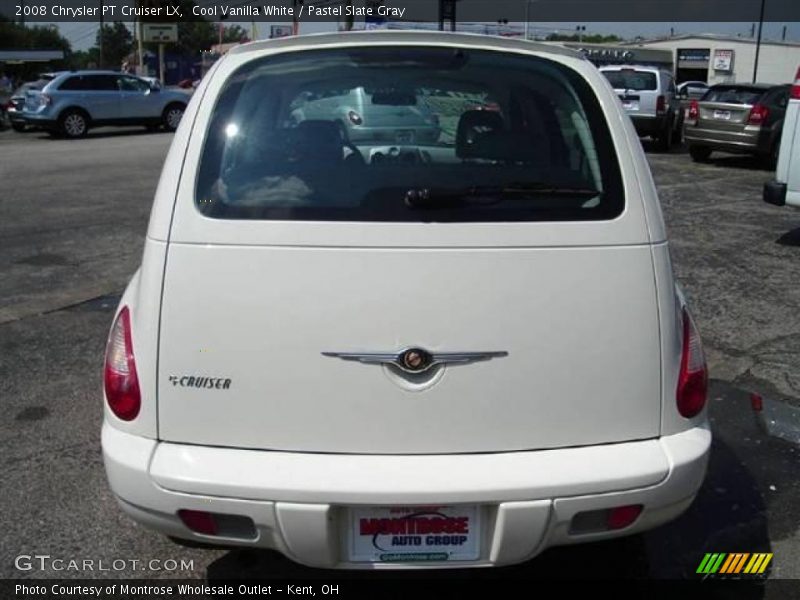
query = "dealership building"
x=725 y=59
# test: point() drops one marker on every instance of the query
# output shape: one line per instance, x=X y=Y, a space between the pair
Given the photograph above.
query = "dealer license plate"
x=414 y=533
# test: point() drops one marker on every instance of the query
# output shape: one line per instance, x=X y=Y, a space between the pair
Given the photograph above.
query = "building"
x=723 y=59
x=608 y=54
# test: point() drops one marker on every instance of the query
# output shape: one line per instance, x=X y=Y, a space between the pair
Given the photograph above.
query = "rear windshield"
x=630 y=79
x=408 y=134
x=733 y=94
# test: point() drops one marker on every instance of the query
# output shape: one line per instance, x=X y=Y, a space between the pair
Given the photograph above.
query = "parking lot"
x=72 y=220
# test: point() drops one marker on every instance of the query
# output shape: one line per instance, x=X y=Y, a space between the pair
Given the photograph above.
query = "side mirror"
x=155 y=87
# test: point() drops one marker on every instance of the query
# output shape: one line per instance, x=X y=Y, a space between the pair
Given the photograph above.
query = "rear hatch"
x=637 y=89
x=726 y=109
x=277 y=265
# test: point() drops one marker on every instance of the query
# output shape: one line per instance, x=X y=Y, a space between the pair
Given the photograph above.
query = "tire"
x=73 y=124
x=699 y=153
x=664 y=138
x=172 y=116
x=19 y=127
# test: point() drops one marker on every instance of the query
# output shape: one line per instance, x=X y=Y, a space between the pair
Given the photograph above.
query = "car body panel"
x=587 y=313
x=723 y=125
x=103 y=106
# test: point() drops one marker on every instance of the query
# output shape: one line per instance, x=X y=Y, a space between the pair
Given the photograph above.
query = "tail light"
x=693 y=376
x=119 y=377
x=622 y=516
x=694 y=111
x=355 y=118
x=795 y=90
x=661 y=105
x=758 y=114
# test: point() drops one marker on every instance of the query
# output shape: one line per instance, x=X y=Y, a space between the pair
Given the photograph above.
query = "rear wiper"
x=490 y=194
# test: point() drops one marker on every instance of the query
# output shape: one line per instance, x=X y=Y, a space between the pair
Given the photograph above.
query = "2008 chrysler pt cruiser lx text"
x=404 y=351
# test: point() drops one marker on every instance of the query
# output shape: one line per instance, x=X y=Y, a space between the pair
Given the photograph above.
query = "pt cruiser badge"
x=415 y=360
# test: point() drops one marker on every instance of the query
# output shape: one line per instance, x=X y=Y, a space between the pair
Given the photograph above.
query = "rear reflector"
x=607 y=519
x=119 y=374
x=795 y=90
x=622 y=516
x=219 y=524
x=199 y=521
x=693 y=375
x=756 y=402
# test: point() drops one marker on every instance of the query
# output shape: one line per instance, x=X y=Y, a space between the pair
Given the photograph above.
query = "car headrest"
x=471 y=125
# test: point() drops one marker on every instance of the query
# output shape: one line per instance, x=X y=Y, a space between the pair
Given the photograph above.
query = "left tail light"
x=693 y=376
x=119 y=374
x=694 y=111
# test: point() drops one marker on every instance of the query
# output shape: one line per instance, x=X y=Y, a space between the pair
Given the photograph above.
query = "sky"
x=82 y=35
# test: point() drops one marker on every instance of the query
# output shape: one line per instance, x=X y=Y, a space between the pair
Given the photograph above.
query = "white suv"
x=416 y=353
x=785 y=188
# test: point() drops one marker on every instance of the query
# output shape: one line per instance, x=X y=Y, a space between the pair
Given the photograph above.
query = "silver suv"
x=649 y=96
x=75 y=101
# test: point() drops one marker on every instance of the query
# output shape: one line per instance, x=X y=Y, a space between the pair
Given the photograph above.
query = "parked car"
x=17 y=101
x=458 y=354
x=76 y=101
x=692 y=90
x=785 y=188
x=741 y=118
x=371 y=115
x=649 y=96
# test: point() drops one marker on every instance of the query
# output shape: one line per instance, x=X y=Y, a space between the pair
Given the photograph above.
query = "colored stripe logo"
x=734 y=563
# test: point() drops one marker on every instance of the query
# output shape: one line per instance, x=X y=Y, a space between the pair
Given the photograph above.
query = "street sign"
x=160 y=32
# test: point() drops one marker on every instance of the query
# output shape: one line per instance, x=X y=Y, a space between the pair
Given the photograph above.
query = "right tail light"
x=693 y=377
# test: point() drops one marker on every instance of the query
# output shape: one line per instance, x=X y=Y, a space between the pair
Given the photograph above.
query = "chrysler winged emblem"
x=415 y=360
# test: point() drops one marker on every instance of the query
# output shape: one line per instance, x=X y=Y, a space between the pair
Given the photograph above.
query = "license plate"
x=404 y=137
x=722 y=114
x=630 y=104
x=414 y=533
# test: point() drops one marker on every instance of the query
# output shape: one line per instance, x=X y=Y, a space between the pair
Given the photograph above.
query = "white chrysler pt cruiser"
x=406 y=301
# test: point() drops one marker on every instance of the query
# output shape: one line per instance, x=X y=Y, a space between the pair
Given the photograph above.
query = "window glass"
x=408 y=134
x=631 y=79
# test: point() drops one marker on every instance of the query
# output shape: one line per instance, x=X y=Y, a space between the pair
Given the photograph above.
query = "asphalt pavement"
x=72 y=220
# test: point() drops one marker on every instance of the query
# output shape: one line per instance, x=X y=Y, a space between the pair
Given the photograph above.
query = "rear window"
x=408 y=134
x=631 y=79
x=733 y=94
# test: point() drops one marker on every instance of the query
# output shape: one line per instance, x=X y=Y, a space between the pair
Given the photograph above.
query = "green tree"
x=117 y=42
x=14 y=36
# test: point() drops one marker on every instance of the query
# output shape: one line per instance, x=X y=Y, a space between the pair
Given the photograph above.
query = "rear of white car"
x=785 y=188
x=405 y=354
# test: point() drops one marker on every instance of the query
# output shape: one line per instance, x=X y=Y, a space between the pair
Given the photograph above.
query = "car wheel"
x=665 y=138
x=74 y=124
x=172 y=116
x=699 y=153
x=19 y=127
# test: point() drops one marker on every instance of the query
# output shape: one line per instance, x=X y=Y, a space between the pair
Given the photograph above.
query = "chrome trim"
x=429 y=359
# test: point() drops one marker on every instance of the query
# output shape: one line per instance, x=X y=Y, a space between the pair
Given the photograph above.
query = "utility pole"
x=100 y=59
x=758 y=40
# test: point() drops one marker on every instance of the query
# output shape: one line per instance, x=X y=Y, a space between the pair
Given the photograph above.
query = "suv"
x=785 y=188
x=75 y=101
x=741 y=118
x=361 y=354
x=649 y=96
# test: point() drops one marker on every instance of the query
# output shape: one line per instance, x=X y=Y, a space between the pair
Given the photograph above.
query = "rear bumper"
x=746 y=141
x=298 y=501
x=42 y=122
x=649 y=125
x=775 y=193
